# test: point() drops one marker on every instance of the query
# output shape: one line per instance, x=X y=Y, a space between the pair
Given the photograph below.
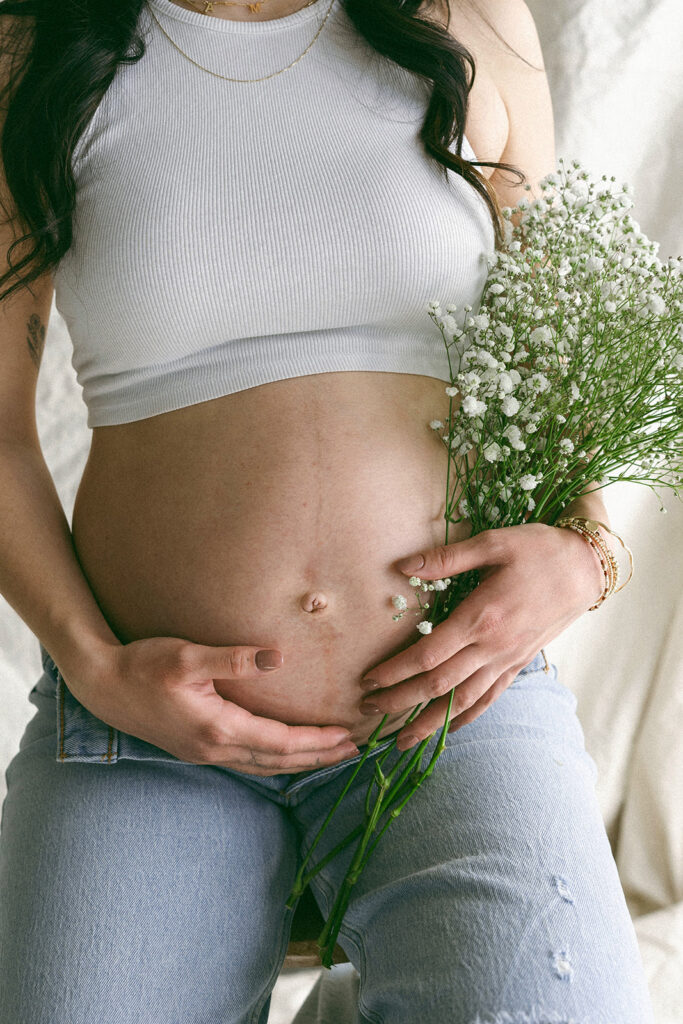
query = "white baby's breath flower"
x=472 y=406
x=399 y=602
x=594 y=263
x=451 y=391
x=539 y=382
x=528 y=481
x=514 y=436
x=436 y=424
x=415 y=581
x=440 y=584
x=541 y=335
x=510 y=405
x=492 y=452
x=424 y=626
x=552 y=180
x=566 y=445
x=471 y=380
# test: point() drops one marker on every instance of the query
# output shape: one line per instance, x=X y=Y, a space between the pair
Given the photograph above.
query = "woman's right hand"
x=161 y=690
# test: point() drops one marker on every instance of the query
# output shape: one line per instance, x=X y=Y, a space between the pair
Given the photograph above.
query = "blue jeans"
x=135 y=887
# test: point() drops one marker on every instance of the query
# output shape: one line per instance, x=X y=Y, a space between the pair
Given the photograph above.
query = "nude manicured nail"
x=268 y=659
x=368 y=684
x=406 y=742
x=369 y=709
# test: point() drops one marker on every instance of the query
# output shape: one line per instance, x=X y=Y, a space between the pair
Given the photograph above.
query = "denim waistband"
x=81 y=737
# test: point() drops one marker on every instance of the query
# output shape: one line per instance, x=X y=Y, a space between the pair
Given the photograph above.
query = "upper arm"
x=24 y=314
x=513 y=76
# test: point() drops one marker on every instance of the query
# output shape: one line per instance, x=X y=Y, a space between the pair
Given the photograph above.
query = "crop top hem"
x=191 y=385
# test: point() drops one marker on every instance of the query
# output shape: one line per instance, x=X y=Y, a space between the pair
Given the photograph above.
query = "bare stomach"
x=272 y=517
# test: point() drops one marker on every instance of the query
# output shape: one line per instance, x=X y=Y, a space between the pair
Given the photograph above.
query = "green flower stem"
x=299 y=884
x=302 y=878
x=395 y=811
x=413 y=754
x=385 y=799
x=357 y=831
x=327 y=937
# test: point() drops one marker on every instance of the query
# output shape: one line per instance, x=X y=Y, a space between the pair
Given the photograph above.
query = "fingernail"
x=368 y=709
x=411 y=563
x=268 y=659
x=368 y=684
x=406 y=742
x=350 y=751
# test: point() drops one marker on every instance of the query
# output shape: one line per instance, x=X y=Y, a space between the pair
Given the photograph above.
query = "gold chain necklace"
x=255 y=6
x=227 y=77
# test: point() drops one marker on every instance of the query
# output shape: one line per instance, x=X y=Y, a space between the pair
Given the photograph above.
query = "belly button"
x=313 y=601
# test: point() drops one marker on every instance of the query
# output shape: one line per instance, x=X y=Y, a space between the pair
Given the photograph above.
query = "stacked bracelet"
x=588 y=528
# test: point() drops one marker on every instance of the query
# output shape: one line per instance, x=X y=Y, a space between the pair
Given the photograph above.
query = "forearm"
x=590 y=506
x=40 y=576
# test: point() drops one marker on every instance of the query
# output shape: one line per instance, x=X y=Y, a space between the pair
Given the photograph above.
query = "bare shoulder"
x=510 y=117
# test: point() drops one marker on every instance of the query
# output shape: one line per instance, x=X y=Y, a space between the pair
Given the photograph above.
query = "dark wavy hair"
x=58 y=59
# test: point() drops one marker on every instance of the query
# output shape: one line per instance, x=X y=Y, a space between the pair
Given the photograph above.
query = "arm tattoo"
x=35 y=338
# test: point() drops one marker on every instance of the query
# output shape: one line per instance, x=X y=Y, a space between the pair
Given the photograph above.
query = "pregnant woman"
x=243 y=221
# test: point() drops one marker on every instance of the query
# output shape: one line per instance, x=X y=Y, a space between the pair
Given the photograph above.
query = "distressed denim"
x=140 y=888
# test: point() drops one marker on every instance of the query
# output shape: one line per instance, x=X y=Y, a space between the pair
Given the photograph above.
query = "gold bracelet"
x=608 y=560
x=592 y=524
x=593 y=538
x=626 y=548
x=588 y=528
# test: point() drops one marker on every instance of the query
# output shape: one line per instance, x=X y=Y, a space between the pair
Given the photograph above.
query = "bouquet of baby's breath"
x=570 y=373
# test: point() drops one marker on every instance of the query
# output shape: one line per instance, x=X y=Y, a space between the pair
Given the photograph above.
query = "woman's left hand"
x=537 y=580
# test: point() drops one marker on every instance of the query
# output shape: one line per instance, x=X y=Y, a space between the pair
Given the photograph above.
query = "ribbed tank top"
x=229 y=234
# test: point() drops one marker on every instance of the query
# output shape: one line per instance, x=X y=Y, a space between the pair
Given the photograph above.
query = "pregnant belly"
x=272 y=517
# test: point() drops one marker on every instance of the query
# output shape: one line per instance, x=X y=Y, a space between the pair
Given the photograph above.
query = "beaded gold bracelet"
x=588 y=528
x=592 y=525
x=607 y=563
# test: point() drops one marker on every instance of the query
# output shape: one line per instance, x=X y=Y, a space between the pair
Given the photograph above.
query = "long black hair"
x=58 y=59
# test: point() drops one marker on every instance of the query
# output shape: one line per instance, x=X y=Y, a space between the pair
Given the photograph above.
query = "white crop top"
x=229 y=234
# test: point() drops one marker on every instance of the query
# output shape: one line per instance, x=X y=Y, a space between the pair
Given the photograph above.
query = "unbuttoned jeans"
x=139 y=888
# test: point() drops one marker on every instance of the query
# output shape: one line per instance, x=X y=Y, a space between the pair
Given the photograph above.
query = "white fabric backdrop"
x=617 y=83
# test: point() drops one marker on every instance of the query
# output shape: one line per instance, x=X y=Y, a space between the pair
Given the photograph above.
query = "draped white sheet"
x=616 y=77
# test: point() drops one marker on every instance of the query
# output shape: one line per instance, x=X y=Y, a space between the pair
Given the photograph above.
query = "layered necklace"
x=208 y=8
